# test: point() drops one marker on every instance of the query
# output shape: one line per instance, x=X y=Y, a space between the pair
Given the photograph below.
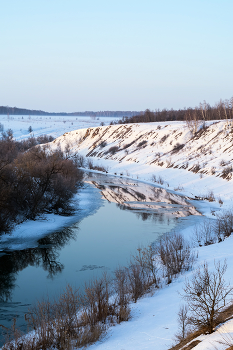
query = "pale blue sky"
x=76 y=55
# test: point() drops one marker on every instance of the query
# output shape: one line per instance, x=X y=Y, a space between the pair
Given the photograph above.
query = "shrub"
x=79 y=160
x=177 y=147
x=154 y=178
x=224 y=225
x=210 y=196
x=142 y=143
x=137 y=281
x=204 y=234
x=146 y=258
x=96 y=301
x=90 y=164
x=103 y=144
x=44 y=139
x=179 y=188
x=121 y=287
x=227 y=173
x=100 y=168
x=223 y=162
x=163 y=139
x=159 y=180
x=113 y=149
x=213 y=170
x=196 y=167
x=175 y=255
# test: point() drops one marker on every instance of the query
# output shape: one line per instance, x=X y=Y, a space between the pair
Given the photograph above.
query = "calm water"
x=133 y=214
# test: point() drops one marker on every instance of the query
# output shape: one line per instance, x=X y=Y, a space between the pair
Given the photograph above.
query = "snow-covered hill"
x=197 y=164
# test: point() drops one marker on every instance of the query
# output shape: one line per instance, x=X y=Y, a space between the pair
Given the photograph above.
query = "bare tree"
x=224 y=225
x=203 y=108
x=192 y=119
x=183 y=323
x=175 y=255
x=121 y=286
x=204 y=234
x=206 y=295
x=137 y=281
x=147 y=259
x=96 y=300
x=231 y=109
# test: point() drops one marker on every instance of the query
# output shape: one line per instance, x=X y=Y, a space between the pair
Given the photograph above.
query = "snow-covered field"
x=49 y=125
x=152 y=152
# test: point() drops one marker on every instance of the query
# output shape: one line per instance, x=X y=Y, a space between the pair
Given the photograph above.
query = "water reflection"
x=46 y=256
x=152 y=201
x=105 y=241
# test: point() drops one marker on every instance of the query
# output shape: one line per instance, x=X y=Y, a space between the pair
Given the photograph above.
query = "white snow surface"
x=154 y=317
x=49 y=125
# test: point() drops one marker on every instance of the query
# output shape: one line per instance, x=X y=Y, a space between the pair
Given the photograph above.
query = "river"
x=131 y=214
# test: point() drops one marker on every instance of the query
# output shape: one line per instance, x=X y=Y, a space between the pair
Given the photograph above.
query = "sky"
x=78 y=55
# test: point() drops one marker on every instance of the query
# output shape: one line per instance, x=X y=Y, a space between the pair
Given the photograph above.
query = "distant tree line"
x=22 y=111
x=204 y=112
x=33 y=180
x=107 y=113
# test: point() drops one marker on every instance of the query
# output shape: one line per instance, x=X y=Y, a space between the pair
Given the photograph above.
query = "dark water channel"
x=131 y=214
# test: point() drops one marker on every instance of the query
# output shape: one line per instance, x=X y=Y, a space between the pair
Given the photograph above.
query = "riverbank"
x=86 y=202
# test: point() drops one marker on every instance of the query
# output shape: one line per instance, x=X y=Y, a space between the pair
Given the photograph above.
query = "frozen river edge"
x=25 y=235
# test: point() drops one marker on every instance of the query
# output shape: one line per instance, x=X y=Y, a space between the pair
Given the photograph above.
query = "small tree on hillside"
x=206 y=295
x=183 y=323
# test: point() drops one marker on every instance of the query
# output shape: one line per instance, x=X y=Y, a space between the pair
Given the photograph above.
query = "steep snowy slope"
x=169 y=154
